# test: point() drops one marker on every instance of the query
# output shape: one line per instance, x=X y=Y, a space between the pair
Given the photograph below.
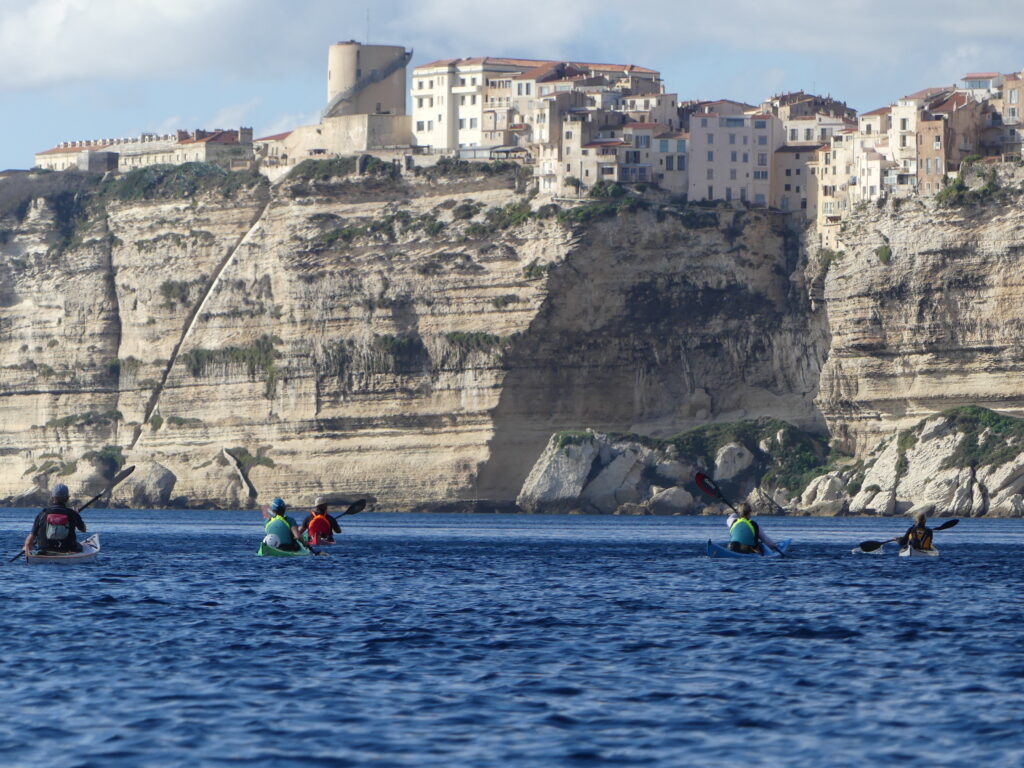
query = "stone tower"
x=366 y=79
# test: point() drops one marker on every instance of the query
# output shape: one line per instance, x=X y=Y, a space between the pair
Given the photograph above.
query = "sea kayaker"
x=281 y=530
x=318 y=523
x=54 y=527
x=919 y=535
x=745 y=535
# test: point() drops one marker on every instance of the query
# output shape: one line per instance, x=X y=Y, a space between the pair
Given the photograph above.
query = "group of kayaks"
x=717 y=550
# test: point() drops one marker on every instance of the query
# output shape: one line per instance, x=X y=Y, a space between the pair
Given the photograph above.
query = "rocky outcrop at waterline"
x=593 y=473
x=966 y=462
x=417 y=335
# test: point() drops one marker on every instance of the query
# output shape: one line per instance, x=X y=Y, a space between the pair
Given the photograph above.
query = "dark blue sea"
x=468 y=640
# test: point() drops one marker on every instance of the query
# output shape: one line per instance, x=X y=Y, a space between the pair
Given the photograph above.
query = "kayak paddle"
x=117 y=479
x=709 y=487
x=871 y=545
x=355 y=508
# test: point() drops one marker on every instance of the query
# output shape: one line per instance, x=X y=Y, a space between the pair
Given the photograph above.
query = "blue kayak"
x=714 y=550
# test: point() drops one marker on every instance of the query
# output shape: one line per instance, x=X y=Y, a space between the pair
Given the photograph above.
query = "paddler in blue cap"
x=282 y=532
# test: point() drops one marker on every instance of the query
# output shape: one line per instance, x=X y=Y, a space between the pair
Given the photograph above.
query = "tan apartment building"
x=450 y=96
x=791 y=179
x=730 y=157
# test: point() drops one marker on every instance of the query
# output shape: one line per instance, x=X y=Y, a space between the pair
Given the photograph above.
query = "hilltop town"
x=580 y=126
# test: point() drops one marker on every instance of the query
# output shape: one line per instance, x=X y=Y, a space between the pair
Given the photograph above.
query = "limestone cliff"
x=925 y=312
x=419 y=337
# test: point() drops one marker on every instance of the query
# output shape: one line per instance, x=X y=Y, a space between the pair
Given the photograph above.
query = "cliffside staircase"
x=375 y=76
x=193 y=316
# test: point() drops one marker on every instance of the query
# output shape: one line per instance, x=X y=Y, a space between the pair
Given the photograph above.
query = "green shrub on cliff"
x=990 y=438
x=884 y=253
x=178 y=182
x=258 y=357
x=323 y=170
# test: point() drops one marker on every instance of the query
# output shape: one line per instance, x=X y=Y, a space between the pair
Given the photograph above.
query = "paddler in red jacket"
x=319 y=525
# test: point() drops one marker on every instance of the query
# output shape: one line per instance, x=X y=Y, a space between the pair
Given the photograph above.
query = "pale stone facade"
x=731 y=157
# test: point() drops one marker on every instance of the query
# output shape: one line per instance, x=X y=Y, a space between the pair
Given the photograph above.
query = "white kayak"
x=90 y=551
x=913 y=552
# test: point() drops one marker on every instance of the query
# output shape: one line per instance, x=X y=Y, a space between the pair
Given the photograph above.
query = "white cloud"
x=233 y=115
x=289 y=122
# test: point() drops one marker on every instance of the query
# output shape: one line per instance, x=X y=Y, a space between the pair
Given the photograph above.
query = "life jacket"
x=319 y=527
x=744 y=531
x=920 y=538
x=58 y=530
x=281 y=528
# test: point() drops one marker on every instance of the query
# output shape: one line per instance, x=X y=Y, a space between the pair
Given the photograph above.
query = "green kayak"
x=266 y=550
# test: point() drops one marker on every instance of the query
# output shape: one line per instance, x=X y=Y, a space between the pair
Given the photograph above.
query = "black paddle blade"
x=870 y=546
x=122 y=475
x=707 y=485
x=947 y=524
x=22 y=552
x=355 y=508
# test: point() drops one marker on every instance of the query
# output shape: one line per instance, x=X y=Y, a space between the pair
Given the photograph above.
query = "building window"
x=711 y=174
x=732 y=138
x=759 y=199
x=762 y=140
x=711 y=192
x=419 y=125
x=419 y=85
x=1014 y=96
x=787 y=188
x=419 y=103
x=792 y=134
x=669 y=163
x=663 y=145
x=711 y=157
x=728 y=193
x=703 y=122
x=568 y=134
x=643 y=142
x=903 y=123
x=681 y=145
x=762 y=158
x=746 y=157
x=472 y=99
x=681 y=164
x=430 y=125
x=472 y=122
x=732 y=174
x=711 y=138
x=808 y=134
x=732 y=157
x=789 y=172
x=462 y=122
x=760 y=124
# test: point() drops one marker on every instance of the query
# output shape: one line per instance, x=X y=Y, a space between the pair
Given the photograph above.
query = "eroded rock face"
x=420 y=338
x=559 y=476
x=925 y=313
x=598 y=474
x=150 y=486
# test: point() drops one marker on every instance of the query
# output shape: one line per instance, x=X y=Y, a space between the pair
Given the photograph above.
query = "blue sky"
x=82 y=69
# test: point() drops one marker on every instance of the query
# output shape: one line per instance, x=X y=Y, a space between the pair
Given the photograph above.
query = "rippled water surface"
x=451 y=640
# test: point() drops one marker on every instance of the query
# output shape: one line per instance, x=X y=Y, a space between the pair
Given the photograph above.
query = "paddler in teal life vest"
x=281 y=530
x=745 y=535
